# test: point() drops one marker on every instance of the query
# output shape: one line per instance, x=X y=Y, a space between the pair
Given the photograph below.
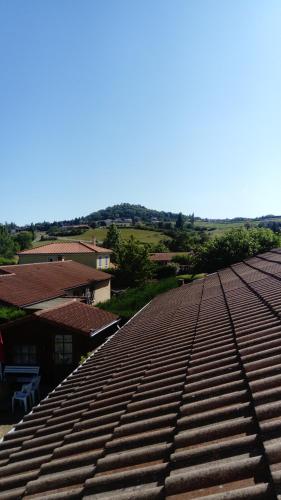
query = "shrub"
x=10 y=314
x=235 y=246
x=165 y=271
x=7 y=262
x=132 y=300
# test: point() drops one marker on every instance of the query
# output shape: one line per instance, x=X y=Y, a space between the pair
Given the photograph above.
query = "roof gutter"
x=93 y=333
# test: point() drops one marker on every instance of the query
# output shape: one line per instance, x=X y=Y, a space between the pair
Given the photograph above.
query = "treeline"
x=129 y=211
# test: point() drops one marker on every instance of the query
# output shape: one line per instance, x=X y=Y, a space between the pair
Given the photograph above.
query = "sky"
x=172 y=104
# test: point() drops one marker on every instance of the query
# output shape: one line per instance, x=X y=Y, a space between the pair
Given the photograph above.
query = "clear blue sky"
x=173 y=104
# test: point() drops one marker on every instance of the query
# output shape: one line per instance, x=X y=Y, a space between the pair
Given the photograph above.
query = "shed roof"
x=26 y=284
x=65 y=248
x=78 y=316
x=164 y=256
x=184 y=402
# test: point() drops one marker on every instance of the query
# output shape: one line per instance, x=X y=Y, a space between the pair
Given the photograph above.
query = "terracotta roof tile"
x=164 y=256
x=26 y=284
x=65 y=248
x=183 y=402
x=78 y=316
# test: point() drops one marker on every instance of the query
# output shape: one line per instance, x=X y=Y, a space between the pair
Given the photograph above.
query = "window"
x=106 y=261
x=60 y=258
x=50 y=259
x=25 y=354
x=63 y=349
x=99 y=262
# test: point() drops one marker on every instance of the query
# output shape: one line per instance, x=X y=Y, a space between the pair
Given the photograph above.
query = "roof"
x=26 y=284
x=164 y=256
x=49 y=304
x=78 y=316
x=64 y=248
x=183 y=402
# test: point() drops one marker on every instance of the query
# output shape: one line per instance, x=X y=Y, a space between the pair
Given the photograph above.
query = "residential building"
x=56 y=337
x=164 y=257
x=79 y=251
x=28 y=285
x=183 y=402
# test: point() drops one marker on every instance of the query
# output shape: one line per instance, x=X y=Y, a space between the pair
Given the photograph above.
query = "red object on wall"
x=2 y=357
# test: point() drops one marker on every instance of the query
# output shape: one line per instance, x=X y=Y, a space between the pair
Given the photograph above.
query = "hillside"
x=128 y=211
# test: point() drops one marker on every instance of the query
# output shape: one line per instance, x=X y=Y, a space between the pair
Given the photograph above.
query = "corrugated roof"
x=184 y=402
x=25 y=284
x=78 y=316
x=65 y=248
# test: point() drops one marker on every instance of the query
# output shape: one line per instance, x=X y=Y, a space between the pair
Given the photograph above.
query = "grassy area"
x=142 y=235
x=130 y=302
x=10 y=313
x=219 y=228
x=191 y=277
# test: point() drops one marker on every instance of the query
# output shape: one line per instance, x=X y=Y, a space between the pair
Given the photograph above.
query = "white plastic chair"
x=22 y=396
x=35 y=388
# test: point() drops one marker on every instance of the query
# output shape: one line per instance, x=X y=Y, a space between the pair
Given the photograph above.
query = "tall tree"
x=112 y=239
x=134 y=266
x=180 y=221
x=24 y=240
x=8 y=246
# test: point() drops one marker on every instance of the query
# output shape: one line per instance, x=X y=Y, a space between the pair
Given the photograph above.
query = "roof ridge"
x=88 y=245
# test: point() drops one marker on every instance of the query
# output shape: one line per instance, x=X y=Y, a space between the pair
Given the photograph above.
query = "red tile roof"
x=164 y=256
x=78 y=316
x=184 y=402
x=26 y=284
x=65 y=248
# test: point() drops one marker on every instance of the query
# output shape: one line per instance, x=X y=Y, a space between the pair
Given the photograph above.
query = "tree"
x=192 y=219
x=182 y=241
x=234 y=246
x=8 y=246
x=180 y=221
x=134 y=267
x=24 y=240
x=112 y=239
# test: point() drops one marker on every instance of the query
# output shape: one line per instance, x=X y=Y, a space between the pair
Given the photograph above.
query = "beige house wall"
x=102 y=292
x=98 y=261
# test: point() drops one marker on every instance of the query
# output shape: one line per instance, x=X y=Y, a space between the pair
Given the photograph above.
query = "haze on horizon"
x=173 y=105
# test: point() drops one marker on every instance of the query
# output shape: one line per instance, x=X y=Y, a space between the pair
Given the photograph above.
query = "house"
x=164 y=257
x=183 y=402
x=55 y=338
x=86 y=253
x=29 y=285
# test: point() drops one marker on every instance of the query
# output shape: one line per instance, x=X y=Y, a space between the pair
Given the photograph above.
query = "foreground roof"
x=78 y=316
x=184 y=402
x=26 y=284
x=65 y=247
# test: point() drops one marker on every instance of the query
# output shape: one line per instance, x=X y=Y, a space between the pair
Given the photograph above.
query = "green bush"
x=234 y=246
x=165 y=271
x=10 y=314
x=132 y=300
x=7 y=262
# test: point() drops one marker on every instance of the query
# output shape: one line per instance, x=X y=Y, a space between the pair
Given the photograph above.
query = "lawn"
x=218 y=228
x=142 y=235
